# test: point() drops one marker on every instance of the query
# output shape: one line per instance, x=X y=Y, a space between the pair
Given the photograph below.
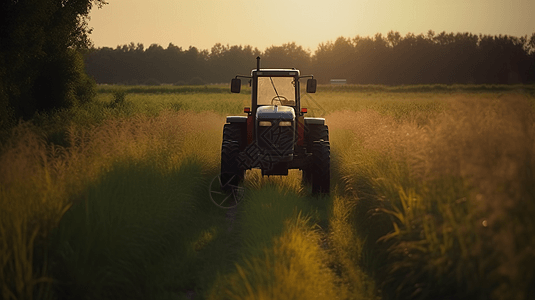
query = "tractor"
x=274 y=135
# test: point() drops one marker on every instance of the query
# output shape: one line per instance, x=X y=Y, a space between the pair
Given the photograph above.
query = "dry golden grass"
x=459 y=190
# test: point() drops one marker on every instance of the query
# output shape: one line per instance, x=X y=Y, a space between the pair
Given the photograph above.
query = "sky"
x=265 y=23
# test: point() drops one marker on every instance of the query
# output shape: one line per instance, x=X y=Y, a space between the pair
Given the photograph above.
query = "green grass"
x=430 y=88
x=108 y=244
x=280 y=254
x=139 y=233
x=167 y=89
x=360 y=88
x=292 y=245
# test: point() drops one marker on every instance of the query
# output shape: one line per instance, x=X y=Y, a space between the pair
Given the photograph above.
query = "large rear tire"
x=306 y=176
x=231 y=174
x=321 y=167
x=235 y=132
x=316 y=133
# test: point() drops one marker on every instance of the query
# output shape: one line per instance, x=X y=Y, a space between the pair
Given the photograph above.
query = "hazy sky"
x=203 y=23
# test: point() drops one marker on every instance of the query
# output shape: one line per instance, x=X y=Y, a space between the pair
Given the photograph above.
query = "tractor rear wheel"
x=321 y=167
x=235 y=132
x=316 y=133
x=306 y=176
x=231 y=174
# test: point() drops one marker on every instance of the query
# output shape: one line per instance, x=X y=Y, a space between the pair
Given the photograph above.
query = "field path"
x=281 y=232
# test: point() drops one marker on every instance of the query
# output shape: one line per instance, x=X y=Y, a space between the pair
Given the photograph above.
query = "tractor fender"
x=237 y=119
x=314 y=121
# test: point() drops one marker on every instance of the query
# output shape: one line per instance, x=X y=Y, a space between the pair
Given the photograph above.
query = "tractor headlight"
x=285 y=123
x=264 y=123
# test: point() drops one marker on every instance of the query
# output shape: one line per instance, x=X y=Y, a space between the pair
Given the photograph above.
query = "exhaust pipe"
x=258 y=63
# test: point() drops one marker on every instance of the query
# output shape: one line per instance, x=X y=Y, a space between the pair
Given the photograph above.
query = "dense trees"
x=392 y=59
x=431 y=58
x=131 y=64
x=40 y=62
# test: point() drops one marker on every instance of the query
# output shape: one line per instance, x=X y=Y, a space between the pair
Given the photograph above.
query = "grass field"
x=432 y=198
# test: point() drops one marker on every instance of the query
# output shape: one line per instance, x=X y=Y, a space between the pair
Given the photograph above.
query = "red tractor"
x=275 y=136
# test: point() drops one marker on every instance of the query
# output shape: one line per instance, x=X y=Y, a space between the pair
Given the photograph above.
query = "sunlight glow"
x=262 y=24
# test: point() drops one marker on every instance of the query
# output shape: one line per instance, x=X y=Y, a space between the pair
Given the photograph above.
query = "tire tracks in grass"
x=281 y=232
x=246 y=252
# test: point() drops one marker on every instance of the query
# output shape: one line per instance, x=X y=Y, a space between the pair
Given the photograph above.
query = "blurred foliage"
x=41 y=64
x=197 y=81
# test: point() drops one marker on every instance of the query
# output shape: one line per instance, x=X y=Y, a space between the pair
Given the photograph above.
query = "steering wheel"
x=278 y=98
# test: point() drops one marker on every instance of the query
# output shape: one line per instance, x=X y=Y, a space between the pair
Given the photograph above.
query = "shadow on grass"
x=139 y=233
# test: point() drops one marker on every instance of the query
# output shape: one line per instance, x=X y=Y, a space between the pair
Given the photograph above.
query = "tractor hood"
x=271 y=112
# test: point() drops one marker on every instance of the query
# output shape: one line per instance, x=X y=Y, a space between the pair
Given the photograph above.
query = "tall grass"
x=108 y=244
x=447 y=206
x=281 y=252
x=41 y=181
x=293 y=268
x=432 y=195
x=430 y=88
x=292 y=245
x=346 y=249
x=346 y=245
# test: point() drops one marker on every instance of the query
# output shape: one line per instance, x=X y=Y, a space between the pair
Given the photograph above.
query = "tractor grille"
x=276 y=140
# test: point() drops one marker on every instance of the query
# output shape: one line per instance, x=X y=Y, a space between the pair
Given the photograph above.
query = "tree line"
x=431 y=58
